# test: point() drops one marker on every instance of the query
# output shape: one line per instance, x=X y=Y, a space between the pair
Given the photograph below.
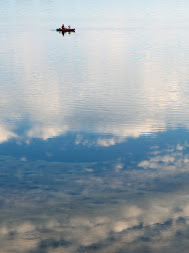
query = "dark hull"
x=66 y=30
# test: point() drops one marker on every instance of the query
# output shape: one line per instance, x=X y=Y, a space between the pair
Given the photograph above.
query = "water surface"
x=94 y=149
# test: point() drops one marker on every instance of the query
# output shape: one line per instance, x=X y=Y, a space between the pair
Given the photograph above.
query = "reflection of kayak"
x=66 y=29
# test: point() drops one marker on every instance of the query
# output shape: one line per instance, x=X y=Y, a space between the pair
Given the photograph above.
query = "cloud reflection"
x=141 y=90
x=6 y=134
x=97 y=207
x=127 y=228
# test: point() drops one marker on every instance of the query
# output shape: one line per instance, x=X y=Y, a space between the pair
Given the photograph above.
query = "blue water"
x=94 y=140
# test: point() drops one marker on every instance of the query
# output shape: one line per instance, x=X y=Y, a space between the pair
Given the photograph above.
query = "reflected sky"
x=94 y=127
x=137 y=91
x=125 y=82
x=111 y=206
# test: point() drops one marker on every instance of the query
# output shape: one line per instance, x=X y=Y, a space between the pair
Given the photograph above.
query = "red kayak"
x=66 y=30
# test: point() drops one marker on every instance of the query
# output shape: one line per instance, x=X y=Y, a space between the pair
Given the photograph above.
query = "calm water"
x=94 y=127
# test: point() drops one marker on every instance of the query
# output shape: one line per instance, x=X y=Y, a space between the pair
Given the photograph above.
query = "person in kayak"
x=63 y=26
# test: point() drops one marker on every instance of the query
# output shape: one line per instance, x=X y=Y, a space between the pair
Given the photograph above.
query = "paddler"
x=63 y=26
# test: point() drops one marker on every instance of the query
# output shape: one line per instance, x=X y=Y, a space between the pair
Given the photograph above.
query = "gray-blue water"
x=94 y=127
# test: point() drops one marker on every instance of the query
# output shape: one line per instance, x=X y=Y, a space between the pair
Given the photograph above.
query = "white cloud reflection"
x=118 y=209
x=119 y=229
x=141 y=89
x=6 y=134
x=174 y=161
x=45 y=132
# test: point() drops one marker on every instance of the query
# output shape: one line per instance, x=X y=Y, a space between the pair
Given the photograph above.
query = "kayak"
x=66 y=30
